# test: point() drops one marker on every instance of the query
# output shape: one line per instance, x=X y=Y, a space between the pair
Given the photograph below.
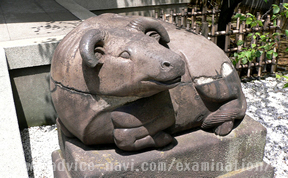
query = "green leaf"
x=260 y=23
x=235 y=54
x=286 y=50
x=244 y=60
x=265 y=1
x=258 y=53
x=285 y=85
x=249 y=20
x=276 y=9
x=250 y=34
x=269 y=56
x=274 y=23
x=250 y=14
x=253 y=45
x=261 y=47
x=240 y=42
x=253 y=24
x=248 y=54
x=286 y=32
x=242 y=18
x=286 y=14
x=275 y=54
x=278 y=76
x=285 y=77
x=263 y=37
x=237 y=15
x=273 y=17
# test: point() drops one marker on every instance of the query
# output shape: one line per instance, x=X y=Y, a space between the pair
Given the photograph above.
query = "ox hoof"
x=162 y=139
x=128 y=140
x=224 y=128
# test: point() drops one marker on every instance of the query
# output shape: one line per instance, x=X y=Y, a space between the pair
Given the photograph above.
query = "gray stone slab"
x=76 y=9
x=19 y=31
x=12 y=162
x=29 y=54
x=113 y=4
x=23 y=11
x=194 y=154
x=55 y=10
x=34 y=19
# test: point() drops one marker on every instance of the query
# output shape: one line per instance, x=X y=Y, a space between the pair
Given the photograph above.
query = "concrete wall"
x=29 y=70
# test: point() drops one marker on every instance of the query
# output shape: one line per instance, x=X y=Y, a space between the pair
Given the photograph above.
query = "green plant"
x=279 y=76
x=266 y=42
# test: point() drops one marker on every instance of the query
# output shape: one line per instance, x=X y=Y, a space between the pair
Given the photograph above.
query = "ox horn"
x=147 y=24
x=87 y=46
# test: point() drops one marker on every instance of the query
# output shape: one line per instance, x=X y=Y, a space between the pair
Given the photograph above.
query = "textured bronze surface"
x=124 y=80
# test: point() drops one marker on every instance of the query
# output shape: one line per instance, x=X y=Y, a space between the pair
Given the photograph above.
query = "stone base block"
x=193 y=154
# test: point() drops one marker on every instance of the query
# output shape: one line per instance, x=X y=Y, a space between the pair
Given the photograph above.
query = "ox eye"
x=125 y=55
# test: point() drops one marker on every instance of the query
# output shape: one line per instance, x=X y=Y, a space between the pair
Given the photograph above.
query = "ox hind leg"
x=222 y=120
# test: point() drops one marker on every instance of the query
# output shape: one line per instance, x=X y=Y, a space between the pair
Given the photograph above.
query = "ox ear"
x=91 y=47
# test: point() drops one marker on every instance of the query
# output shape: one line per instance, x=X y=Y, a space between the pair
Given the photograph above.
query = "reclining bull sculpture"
x=115 y=79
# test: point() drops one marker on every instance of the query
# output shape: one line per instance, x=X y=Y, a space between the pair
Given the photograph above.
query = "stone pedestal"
x=192 y=154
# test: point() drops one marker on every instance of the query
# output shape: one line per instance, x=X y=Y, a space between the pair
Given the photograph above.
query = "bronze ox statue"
x=124 y=80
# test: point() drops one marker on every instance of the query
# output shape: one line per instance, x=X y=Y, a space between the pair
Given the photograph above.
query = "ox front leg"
x=140 y=124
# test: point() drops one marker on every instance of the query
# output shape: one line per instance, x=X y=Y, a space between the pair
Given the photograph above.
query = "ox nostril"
x=166 y=64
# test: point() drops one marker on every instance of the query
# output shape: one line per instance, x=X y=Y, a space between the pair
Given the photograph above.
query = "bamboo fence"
x=197 y=21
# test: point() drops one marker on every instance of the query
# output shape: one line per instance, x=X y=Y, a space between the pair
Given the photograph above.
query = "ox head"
x=128 y=62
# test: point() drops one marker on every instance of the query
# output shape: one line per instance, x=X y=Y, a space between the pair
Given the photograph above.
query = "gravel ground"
x=267 y=103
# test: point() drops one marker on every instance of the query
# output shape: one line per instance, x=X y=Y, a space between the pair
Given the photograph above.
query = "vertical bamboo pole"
x=213 y=15
x=238 y=23
x=171 y=17
x=204 y=22
x=156 y=13
x=204 y=14
x=253 y=41
x=182 y=18
x=175 y=17
x=240 y=47
x=227 y=38
x=213 y=37
x=193 y=19
x=262 y=57
x=197 y=29
x=163 y=15
x=274 y=59
x=188 y=25
x=205 y=29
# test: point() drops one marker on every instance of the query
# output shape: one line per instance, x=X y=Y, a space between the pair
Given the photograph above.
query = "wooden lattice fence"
x=204 y=22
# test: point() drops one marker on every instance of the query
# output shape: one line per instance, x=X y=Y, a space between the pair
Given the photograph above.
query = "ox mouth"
x=169 y=82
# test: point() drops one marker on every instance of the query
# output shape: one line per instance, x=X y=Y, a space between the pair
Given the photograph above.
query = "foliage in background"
x=266 y=42
x=278 y=76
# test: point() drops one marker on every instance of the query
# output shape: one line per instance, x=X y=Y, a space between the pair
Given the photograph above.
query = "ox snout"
x=172 y=68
